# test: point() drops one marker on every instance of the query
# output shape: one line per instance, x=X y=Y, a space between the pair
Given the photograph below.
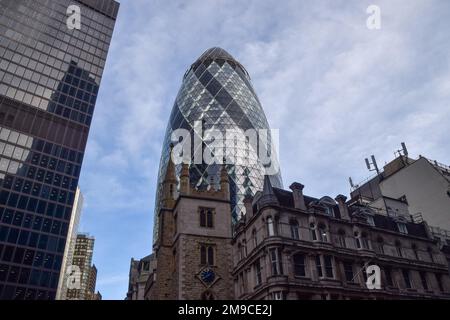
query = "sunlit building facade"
x=49 y=80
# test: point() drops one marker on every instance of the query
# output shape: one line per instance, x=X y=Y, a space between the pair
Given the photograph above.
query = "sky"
x=337 y=91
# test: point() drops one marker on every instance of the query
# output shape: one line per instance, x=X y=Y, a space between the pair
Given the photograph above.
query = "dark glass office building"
x=217 y=91
x=49 y=81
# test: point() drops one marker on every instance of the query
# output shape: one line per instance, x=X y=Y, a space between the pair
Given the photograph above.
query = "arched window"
x=202 y=218
x=398 y=247
x=313 y=231
x=206 y=255
x=357 y=240
x=255 y=238
x=270 y=227
x=206 y=218
x=341 y=238
x=210 y=255
x=365 y=241
x=380 y=245
x=323 y=235
x=294 y=229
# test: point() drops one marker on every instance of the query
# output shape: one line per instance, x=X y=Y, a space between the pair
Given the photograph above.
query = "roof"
x=286 y=199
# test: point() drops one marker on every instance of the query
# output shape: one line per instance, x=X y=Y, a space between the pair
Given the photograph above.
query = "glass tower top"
x=217 y=91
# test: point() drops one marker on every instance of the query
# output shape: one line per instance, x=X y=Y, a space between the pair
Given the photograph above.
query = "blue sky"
x=337 y=91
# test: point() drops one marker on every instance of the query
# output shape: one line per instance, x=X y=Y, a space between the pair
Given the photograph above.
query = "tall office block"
x=84 y=288
x=50 y=74
x=217 y=92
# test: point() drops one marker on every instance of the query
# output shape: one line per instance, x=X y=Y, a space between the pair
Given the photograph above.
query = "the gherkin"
x=217 y=91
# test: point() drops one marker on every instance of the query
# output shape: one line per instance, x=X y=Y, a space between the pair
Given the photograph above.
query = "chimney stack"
x=343 y=208
x=297 y=192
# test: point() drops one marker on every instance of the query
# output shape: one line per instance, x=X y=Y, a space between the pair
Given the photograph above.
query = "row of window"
x=36 y=189
x=30 y=204
x=318 y=232
x=28 y=257
x=325 y=269
x=34 y=222
x=32 y=239
x=60 y=41
x=44 y=149
x=43 y=208
x=19 y=293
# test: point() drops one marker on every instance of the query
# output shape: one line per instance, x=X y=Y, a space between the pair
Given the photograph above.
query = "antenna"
x=350 y=180
x=405 y=151
x=374 y=164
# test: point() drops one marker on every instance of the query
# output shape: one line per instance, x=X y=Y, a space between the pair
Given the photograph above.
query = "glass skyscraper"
x=49 y=81
x=216 y=90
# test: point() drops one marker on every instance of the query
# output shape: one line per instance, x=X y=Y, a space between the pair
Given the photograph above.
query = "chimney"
x=297 y=192
x=248 y=206
x=343 y=208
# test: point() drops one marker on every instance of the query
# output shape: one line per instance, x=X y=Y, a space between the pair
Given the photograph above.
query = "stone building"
x=193 y=249
x=291 y=246
x=139 y=272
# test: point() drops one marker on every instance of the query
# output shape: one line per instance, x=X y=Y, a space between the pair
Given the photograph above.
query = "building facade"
x=422 y=184
x=83 y=272
x=217 y=93
x=193 y=251
x=140 y=271
x=49 y=81
x=293 y=247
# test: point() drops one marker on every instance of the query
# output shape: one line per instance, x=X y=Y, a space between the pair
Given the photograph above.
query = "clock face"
x=208 y=276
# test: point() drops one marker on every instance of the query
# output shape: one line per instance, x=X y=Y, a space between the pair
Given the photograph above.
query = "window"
x=206 y=255
x=255 y=238
x=423 y=279
x=312 y=228
x=402 y=227
x=328 y=261
x=370 y=220
x=270 y=227
x=206 y=218
x=294 y=230
x=439 y=281
x=278 y=295
x=319 y=267
x=348 y=269
x=299 y=265
x=365 y=241
x=329 y=211
x=430 y=254
x=398 y=247
x=341 y=239
x=388 y=275
x=416 y=252
x=380 y=245
x=258 y=274
x=275 y=262
x=323 y=233
x=406 y=278
x=357 y=240
x=207 y=295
